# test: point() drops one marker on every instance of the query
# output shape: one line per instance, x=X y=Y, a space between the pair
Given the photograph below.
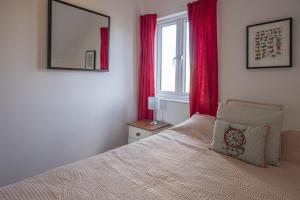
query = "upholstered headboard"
x=256 y=104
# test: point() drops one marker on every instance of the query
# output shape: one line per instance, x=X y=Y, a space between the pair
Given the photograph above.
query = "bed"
x=176 y=164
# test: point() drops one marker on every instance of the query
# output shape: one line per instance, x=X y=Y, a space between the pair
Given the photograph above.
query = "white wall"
x=235 y=81
x=49 y=118
x=266 y=85
x=165 y=7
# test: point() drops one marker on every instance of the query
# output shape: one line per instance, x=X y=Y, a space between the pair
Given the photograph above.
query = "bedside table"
x=141 y=129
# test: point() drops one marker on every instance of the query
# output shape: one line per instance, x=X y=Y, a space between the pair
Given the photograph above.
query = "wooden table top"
x=146 y=125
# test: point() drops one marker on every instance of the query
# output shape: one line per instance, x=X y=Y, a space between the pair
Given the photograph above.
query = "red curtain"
x=104 y=48
x=202 y=16
x=146 y=81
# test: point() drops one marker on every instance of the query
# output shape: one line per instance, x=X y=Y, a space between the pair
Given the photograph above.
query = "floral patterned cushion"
x=243 y=142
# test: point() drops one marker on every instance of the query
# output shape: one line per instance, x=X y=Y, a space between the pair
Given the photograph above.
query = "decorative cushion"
x=240 y=141
x=257 y=117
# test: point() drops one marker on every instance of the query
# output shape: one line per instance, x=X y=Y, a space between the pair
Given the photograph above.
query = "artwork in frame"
x=90 y=59
x=269 y=45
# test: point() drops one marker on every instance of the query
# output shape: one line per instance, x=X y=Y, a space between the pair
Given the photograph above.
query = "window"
x=173 y=66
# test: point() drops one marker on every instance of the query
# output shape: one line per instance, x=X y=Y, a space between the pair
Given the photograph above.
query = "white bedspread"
x=173 y=165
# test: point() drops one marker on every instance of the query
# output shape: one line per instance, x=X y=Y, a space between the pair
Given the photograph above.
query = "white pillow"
x=257 y=117
x=246 y=143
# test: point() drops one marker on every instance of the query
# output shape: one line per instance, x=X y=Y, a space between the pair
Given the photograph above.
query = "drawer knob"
x=138 y=134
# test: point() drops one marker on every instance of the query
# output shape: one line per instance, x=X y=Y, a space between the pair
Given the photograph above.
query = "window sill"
x=174 y=100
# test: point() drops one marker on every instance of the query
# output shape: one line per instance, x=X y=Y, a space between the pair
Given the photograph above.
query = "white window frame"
x=180 y=59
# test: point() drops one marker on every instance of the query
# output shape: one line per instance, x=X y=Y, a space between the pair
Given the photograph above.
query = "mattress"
x=173 y=165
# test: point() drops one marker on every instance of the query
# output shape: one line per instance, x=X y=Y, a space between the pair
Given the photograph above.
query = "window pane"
x=187 y=60
x=168 y=67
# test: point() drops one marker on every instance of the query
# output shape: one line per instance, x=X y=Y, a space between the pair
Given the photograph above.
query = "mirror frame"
x=49 y=54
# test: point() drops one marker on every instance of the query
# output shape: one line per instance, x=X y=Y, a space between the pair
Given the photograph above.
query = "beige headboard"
x=256 y=104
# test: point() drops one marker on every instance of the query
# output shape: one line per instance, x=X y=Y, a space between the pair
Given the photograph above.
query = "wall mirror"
x=78 y=38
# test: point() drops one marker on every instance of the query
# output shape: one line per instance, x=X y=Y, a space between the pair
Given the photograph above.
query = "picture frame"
x=269 y=44
x=90 y=60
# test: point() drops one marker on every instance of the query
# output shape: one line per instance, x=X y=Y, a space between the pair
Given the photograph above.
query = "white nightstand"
x=141 y=129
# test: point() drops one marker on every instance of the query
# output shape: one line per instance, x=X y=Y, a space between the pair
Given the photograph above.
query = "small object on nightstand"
x=142 y=129
x=154 y=123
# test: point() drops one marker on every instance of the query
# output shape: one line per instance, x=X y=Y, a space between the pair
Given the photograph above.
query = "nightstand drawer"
x=144 y=128
x=137 y=133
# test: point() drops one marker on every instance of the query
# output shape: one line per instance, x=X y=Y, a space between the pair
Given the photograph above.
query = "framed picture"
x=90 y=59
x=269 y=45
